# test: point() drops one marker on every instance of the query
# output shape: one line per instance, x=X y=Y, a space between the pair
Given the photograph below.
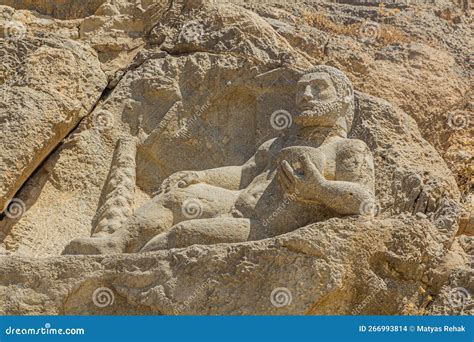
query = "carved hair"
x=344 y=90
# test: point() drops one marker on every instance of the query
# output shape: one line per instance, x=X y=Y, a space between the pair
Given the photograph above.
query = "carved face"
x=317 y=100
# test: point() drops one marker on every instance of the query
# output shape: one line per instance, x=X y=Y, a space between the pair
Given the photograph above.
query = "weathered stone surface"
x=192 y=85
x=49 y=84
x=355 y=266
x=62 y=9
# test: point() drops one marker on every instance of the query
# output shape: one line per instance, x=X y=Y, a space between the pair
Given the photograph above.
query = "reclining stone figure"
x=313 y=174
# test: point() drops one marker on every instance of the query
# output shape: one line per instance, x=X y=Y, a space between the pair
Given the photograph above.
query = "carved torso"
x=264 y=200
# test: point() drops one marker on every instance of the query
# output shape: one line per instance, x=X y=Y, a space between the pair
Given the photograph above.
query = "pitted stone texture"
x=423 y=68
x=332 y=267
x=51 y=85
x=410 y=174
x=61 y=9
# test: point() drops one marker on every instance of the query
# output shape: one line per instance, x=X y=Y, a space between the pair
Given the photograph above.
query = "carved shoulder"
x=262 y=156
x=257 y=162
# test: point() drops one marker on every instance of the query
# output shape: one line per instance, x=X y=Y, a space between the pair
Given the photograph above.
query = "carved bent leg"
x=147 y=220
x=205 y=232
x=158 y=216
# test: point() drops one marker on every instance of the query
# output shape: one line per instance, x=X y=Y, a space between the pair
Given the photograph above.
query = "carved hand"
x=180 y=179
x=306 y=184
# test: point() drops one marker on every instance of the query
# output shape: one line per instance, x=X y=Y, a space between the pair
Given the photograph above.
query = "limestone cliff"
x=101 y=103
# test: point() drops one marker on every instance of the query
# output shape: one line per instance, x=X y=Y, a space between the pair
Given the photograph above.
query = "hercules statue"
x=311 y=175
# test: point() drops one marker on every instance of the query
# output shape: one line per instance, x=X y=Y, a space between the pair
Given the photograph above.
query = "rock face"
x=102 y=103
x=336 y=267
x=49 y=85
x=63 y=9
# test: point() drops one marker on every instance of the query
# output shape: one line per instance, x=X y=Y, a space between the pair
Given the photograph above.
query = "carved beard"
x=322 y=114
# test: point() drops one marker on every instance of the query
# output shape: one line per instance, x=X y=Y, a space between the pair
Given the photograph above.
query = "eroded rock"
x=193 y=85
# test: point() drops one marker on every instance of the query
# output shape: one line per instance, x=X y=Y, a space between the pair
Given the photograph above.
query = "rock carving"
x=313 y=174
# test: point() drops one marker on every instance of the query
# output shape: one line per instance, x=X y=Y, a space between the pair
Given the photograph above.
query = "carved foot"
x=158 y=243
x=94 y=245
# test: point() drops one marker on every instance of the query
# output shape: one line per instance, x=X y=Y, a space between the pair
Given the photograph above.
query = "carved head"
x=325 y=97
